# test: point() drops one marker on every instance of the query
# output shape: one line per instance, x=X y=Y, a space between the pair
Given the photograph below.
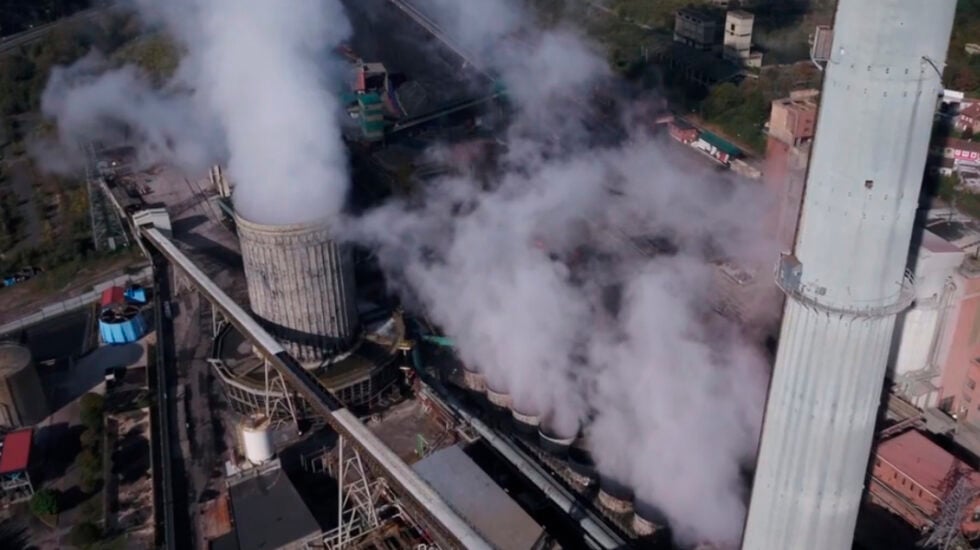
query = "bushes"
x=92 y=405
x=44 y=503
x=89 y=461
x=84 y=534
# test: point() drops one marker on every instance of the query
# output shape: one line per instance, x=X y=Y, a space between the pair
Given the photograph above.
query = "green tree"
x=92 y=407
x=722 y=98
x=44 y=503
x=84 y=534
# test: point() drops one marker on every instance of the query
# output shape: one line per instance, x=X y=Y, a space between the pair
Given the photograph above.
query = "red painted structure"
x=113 y=296
x=912 y=476
x=16 y=454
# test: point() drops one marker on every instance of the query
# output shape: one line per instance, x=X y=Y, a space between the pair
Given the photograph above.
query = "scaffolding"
x=16 y=486
x=357 y=513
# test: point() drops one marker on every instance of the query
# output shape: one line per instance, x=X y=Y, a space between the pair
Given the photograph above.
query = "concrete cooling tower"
x=301 y=287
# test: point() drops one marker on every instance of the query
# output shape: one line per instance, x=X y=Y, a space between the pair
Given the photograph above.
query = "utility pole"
x=946 y=531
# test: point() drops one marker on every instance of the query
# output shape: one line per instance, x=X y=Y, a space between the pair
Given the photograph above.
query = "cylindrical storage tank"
x=474 y=380
x=121 y=324
x=615 y=495
x=300 y=286
x=22 y=401
x=257 y=440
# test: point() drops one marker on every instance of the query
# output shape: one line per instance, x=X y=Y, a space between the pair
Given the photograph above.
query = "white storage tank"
x=257 y=440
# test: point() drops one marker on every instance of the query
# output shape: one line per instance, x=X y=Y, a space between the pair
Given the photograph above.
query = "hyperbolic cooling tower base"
x=361 y=379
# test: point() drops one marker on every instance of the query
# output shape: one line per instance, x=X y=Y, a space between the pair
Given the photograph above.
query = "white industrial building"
x=923 y=332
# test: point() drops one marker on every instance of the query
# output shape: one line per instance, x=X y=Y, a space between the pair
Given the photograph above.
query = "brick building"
x=792 y=122
x=912 y=477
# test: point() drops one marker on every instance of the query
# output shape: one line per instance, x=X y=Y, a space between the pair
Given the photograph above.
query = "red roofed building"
x=969 y=118
x=958 y=150
x=112 y=296
x=912 y=476
x=15 y=457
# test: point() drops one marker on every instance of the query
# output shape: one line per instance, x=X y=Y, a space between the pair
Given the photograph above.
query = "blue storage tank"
x=121 y=324
x=136 y=294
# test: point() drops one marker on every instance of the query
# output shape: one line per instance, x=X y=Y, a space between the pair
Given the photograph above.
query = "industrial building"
x=922 y=334
x=737 y=45
x=792 y=122
x=22 y=401
x=15 y=462
x=478 y=499
x=699 y=28
x=916 y=479
x=266 y=511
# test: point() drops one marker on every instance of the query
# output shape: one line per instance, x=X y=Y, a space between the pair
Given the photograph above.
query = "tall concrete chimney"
x=846 y=282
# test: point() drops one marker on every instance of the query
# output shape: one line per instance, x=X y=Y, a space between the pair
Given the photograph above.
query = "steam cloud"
x=259 y=101
x=671 y=394
x=520 y=267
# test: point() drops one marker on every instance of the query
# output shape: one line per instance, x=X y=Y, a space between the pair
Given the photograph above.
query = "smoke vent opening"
x=526 y=421
x=615 y=495
x=553 y=441
x=474 y=380
x=499 y=398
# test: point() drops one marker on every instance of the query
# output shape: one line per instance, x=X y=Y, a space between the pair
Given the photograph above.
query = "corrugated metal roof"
x=113 y=295
x=269 y=513
x=16 y=451
x=720 y=144
x=480 y=501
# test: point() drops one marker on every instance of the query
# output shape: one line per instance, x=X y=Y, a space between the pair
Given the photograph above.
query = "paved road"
x=12 y=42
x=172 y=480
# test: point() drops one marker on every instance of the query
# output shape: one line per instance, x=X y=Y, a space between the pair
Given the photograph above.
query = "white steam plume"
x=252 y=86
x=672 y=394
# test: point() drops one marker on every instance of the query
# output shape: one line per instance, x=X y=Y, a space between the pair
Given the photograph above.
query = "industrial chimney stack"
x=846 y=282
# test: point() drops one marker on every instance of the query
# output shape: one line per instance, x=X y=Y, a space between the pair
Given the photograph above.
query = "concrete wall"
x=960 y=370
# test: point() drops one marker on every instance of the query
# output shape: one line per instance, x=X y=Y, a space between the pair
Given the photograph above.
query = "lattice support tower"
x=947 y=531
x=357 y=515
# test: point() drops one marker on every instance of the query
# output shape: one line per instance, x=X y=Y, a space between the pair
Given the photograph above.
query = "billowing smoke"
x=522 y=269
x=252 y=92
x=578 y=274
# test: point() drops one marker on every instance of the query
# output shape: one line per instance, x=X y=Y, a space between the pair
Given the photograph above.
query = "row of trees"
x=46 y=503
x=89 y=461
